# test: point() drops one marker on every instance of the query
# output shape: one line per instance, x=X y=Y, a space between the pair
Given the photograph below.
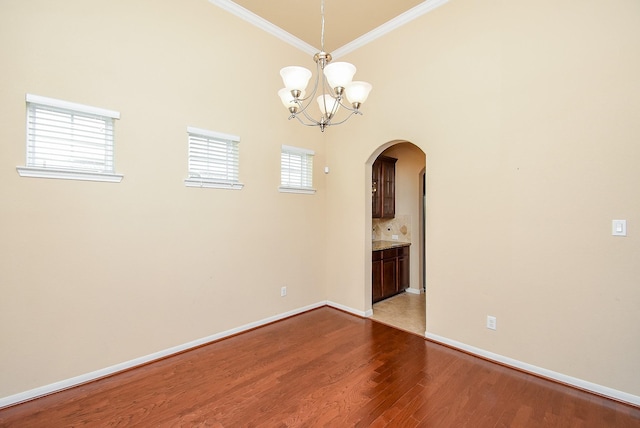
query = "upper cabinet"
x=383 y=187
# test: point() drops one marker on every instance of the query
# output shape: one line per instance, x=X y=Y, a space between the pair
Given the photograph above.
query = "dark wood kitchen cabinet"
x=389 y=272
x=383 y=187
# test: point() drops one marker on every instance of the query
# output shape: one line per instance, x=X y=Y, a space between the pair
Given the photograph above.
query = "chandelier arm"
x=303 y=110
x=327 y=90
x=330 y=123
x=309 y=118
x=326 y=87
x=308 y=99
x=340 y=98
x=313 y=93
x=310 y=124
x=335 y=107
x=348 y=107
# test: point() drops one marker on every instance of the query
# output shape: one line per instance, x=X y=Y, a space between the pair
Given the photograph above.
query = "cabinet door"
x=389 y=277
x=383 y=187
x=388 y=189
x=376 y=190
x=376 y=280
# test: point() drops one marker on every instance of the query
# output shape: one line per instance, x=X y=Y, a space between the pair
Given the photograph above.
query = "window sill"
x=303 y=190
x=210 y=184
x=28 y=171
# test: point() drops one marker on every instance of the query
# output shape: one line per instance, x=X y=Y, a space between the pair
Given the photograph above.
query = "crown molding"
x=265 y=25
x=398 y=21
x=387 y=27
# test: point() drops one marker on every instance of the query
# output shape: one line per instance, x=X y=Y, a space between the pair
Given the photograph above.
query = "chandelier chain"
x=322 y=31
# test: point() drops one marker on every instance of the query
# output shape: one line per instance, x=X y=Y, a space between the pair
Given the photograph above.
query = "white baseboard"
x=88 y=377
x=350 y=310
x=549 y=374
x=412 y=291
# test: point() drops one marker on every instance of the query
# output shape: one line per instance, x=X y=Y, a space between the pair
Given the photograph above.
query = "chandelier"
x=333 y=80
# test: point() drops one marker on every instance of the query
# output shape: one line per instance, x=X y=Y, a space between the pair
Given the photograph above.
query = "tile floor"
x=405 y=311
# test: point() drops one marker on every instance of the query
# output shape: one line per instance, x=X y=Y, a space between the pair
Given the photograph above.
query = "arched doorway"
x=406 y=309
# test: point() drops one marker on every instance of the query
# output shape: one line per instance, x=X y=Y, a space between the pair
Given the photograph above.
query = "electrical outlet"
x=394 y=237
x=283 y=291
x=491 y=322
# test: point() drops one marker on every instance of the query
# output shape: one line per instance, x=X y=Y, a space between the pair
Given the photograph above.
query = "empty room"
x=177 y=247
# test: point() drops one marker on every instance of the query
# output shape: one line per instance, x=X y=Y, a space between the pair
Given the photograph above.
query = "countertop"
x=383 y=245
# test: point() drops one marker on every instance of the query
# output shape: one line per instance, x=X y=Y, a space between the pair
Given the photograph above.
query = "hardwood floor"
x=322 y=368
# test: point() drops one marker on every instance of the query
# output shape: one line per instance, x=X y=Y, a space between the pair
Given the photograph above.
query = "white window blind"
x=296 y=170
x=69 y=140
x=213 y=159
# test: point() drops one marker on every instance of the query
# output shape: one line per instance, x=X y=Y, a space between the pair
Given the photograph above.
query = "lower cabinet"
x=389 y=272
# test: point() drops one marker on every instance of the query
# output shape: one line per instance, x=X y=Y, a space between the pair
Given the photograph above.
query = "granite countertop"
x=383 y=245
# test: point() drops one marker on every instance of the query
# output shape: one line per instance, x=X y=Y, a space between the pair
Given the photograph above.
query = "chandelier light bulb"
x=357 y=93
x=332 y=105
x=339 y=74
x=288 y=100
x=295 y=78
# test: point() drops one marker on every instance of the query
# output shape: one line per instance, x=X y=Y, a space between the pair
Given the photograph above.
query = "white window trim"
x=56 y=173
x=209 y=183
x=301 y=190
x=52 y=102
x=28 y=171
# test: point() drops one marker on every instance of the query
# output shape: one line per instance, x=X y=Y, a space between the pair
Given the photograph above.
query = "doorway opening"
x=398 y=231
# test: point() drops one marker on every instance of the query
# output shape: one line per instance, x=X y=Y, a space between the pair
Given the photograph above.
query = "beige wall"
x=527 y=112
x=95 y=274
x=528 y=115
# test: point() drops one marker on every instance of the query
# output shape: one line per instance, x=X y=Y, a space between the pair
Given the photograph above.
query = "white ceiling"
x=345 y=20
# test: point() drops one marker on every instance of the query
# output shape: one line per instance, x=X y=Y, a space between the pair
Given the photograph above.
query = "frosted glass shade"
x=357 y=92
x=295 y=77
x=287 y=98
x=339 y=74
x=330 y=103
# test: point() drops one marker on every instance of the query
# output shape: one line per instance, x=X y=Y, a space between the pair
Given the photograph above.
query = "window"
x=213 y=160
x=296 y=170
x=69 y=140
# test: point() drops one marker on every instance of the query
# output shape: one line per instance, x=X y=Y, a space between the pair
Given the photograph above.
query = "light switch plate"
x=491 y=322
x=619 y=227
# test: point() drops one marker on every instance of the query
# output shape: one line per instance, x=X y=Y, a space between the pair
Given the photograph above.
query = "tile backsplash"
x=384 y=228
